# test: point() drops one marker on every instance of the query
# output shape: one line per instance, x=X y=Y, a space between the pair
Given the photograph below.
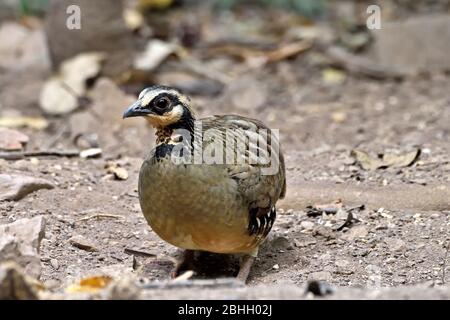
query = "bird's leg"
x=184 y=263
x=246 y=265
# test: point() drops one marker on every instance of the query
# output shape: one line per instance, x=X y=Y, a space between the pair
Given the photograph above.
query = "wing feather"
x=260 y=191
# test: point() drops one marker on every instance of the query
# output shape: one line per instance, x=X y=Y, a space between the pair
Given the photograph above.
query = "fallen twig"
x=140 y=253
x=41 y=153
x=288 y=50
x=100 y=215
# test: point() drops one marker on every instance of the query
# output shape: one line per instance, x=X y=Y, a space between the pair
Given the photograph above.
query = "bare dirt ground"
x=320 y=124
x=405 y=246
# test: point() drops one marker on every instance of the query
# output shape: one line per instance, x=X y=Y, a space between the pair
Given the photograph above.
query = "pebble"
x=395 y=244
x=356 y=232
x=321 y=275
x=342 y=263
x=307 y=225
x=399 y=280
x=82 y=243
x=54 y=263
x=306 y=243
x=390 y=260
x=15 y=187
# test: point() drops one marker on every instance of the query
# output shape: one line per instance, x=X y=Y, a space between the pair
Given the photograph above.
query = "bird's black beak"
x=136 y=110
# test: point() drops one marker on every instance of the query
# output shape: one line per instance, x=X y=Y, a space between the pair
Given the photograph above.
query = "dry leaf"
x=37 y=123
x=75 y=71
x=118 y=172
x=388 y=160
x=12 y=140
x=366 y=161
x=401 y=160
x=56 y=98
x=155 y=53
x=60 y=93
x=289 y=50
x=333 y=76
x=258 y=57
x=90 y=285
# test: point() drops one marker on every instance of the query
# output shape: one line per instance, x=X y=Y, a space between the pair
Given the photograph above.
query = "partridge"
x=210 y=184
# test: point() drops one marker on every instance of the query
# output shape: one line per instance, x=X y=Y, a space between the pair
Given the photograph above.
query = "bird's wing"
x=257 y=163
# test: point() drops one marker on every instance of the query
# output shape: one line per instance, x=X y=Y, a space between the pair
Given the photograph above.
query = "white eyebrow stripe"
x=150 y=95
x=142 y=93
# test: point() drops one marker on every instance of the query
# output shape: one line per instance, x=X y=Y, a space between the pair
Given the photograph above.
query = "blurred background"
x=311 y=68
x=360 y=93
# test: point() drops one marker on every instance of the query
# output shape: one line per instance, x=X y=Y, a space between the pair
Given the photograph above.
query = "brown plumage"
x=209 y=184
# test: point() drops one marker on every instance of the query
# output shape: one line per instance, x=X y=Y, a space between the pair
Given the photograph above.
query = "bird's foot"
x=185 y=263
x=245 y=267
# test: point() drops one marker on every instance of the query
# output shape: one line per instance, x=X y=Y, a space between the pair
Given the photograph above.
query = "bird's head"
x=163 y=107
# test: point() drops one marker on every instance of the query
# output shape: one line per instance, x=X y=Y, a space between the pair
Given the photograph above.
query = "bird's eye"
x=162 y=103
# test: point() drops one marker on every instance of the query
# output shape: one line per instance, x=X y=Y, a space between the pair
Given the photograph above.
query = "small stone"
x=341 y=214
x=276 y=267
x=355 y=232
x=390 y=260
x=279 y=242
x=12 y=140
x=321 y=276
x=342 y=263
x=82 y=243
x=305 y=243
x=54 y=263
x=20 y=241
x=343 y=267
x=15 y=187
x=91 y=153
x=118 y=172
x=395 y=244
x=307 y=225
x=399 y=280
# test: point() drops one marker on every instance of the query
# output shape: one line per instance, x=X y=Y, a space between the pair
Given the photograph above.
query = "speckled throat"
x=163 y=135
